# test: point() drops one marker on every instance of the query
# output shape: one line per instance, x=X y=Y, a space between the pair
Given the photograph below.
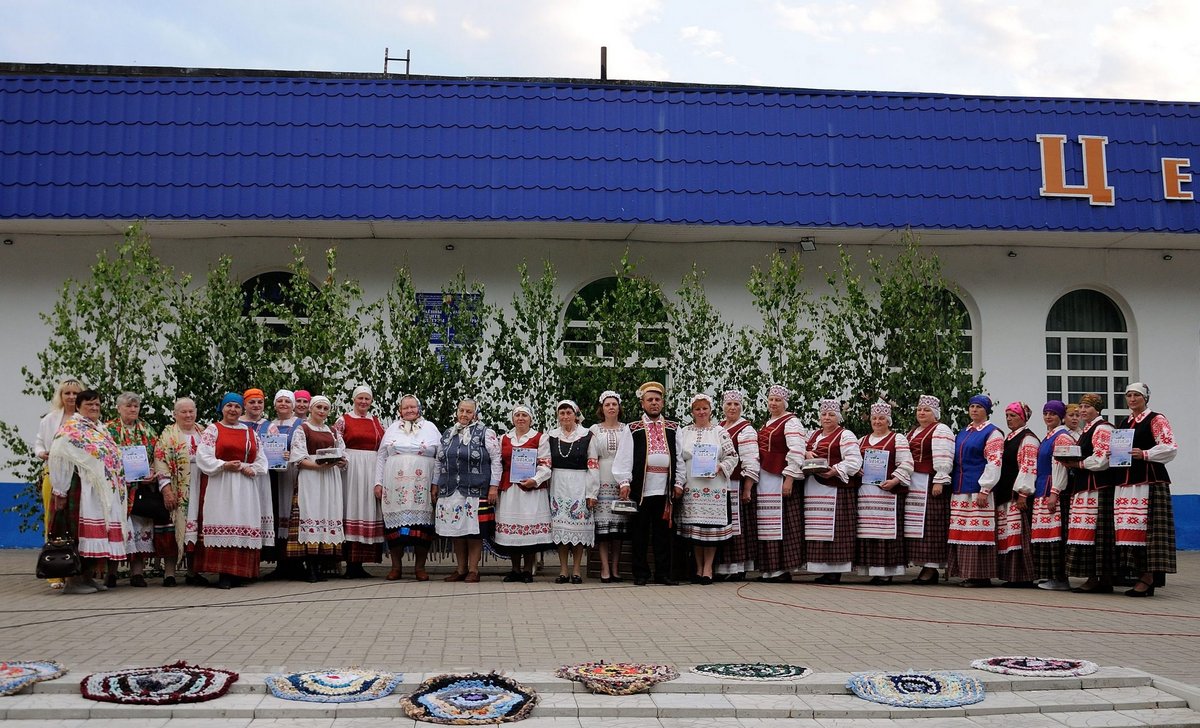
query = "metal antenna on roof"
x=407 y=60
x=603 y=63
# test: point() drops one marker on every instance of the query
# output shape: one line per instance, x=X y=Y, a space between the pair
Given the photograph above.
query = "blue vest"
x=969 y=461
x=1046 y=462
x=465 y=462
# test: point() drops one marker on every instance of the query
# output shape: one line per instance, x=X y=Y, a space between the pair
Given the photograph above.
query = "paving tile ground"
x=410 y=627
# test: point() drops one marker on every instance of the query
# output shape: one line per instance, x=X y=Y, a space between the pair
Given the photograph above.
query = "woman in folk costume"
x=362 y=432
x=315 y=531
x=523 y=513
x=611 y=527
x=1013 y=495
x=880 y=547
x=1047 y=541
x=62 y=407
x=177 y=472
x=1090 y=541
x=978 y=451
x=404 y=468
x=147 y=536
x=283 y=482
x=1144 y=520
x=709 y=495
x=779 y=516
x=224 y=525
x=255 y=403
x=737 y=555
x=830 y=499
x=927 y=505
x=468 y=482
x=87 y=492
x=574 y=484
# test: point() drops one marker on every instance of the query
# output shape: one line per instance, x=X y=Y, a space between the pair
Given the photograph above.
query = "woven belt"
x=658 y=469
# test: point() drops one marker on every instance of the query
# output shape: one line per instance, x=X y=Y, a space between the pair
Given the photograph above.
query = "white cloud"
x=705 y=42
x=476 y=32
x=417 y=14
x=1150 y=52
x=823 y=21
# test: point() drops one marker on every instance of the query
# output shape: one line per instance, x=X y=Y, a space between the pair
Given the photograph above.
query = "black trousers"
x=649 y=529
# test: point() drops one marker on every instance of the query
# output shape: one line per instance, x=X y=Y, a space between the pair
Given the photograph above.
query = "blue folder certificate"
x=524 y=464
x=275 y=448
x=875 y=466
x=1120 y=449
x=136 y=461
x=704 y=460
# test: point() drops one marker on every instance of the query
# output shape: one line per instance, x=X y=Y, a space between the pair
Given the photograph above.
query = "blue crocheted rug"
x=333 y=686
x=917 y=689
x=470 y=699
x=16 y=675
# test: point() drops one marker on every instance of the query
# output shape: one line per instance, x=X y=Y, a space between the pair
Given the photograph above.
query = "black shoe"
x=527 y=577
x=606 y=580
x=828 y=579
x=168 y=581
x=640 y=581
x=137 y=580
x=666 y=582
x=576 y=579
x=880 y=580
x=1149 y=592
x=705 y=580
x=615 y=579
x=223 y=582
x=512 y=577
x=238 y=581
x=562 y=579
x=314 y=574
x=195 y=580
x=696 y=579
x=275 y=575
x=1096 y=589
x=356 y=571
x=740 y=576
x=784 y=578
x=926 y=582
x=110 y=581
x=976 y=583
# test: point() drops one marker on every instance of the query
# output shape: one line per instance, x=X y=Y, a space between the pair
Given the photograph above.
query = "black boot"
x=314 y=571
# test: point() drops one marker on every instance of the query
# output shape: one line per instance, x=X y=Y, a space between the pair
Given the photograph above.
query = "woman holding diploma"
x=523 y=511
x=830 y=500
x=175 y=468
x=1090 y=544
x=315 y=531
x=574 y=484
x=709 y=458
x=88 y=491
x=886 y=474
x=225 y=519
x=611 y=527
x=404 y=468
x=927 y=505
x=362 y=433
x=153 y=536
x=1144 y=521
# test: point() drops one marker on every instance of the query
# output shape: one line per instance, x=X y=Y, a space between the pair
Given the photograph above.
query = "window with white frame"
x=580 y=339
x=1087 y=350
x=264 y=292
x=967 y=335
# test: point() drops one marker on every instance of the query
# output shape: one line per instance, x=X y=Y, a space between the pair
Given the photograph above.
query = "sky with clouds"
x=1143 y=49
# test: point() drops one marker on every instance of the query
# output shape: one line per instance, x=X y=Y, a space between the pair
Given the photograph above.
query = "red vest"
x=772 y=446
x=506 y=448
x=921 y=444
x=361 y=433
x=827 y=446
x=736 y=476
x=236 y=445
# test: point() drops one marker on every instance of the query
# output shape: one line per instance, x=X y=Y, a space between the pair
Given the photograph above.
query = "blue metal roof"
x=184 y=146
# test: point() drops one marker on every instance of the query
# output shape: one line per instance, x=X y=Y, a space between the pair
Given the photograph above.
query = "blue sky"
x=1145 y=49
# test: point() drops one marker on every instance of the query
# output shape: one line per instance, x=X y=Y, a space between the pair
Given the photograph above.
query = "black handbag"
x=148 y=502
x=59 y=558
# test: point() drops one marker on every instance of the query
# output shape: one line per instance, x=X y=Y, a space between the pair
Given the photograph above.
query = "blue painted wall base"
x=1187 y=521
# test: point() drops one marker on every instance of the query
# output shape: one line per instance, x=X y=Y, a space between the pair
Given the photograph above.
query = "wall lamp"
x=8 y=241
x=1166 y=256
x=808 y=243
x=1012 y=253
x=449 y=246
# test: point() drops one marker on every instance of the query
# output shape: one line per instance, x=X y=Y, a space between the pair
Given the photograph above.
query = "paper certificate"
x=136 y=462
x=875 y=466
x=1120 y=449
x=275 y=447
x=524 y=464
x=704 y=460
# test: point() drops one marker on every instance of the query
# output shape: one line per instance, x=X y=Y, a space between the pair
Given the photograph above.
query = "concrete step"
x=1110 y=697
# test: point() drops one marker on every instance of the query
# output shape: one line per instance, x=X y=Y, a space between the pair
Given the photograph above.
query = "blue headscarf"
x=230 y=397
x=983 y=401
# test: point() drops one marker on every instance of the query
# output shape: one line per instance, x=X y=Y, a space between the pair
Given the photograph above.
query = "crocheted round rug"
x=1036 y=666
x=14 y=678
x=46 y=669
x=617 y=678
x=917 y=689
x=469 y=699
x=166 y=685
x=333 y=686
x=752 y=671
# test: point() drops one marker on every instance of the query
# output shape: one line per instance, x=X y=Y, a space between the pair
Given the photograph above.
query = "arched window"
x=1087 y=349
x=266 y=291
x=967 y=334
x=580 y=338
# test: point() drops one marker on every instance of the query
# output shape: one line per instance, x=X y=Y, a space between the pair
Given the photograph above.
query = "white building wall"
x=1012 y=297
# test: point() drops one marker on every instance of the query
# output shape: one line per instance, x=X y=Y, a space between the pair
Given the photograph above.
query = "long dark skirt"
x=1158 y=555
x=788 y=554
x=1050 y=557
x=845 y=532
x=932 y=547
x=743 y=548
x=1100 y=559
x=1017 y=565
x=972 y=562
x=884 y=551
